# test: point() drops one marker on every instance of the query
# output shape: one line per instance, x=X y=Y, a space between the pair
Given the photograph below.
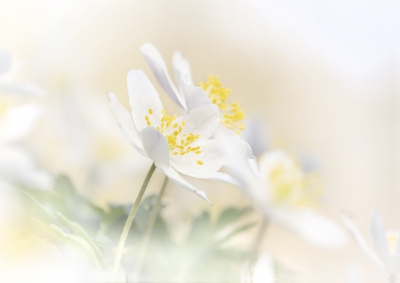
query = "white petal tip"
x=203 y=195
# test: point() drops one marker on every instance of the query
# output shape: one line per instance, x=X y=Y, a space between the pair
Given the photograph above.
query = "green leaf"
x=80 y=231
x=230 y=215
x=70 y=239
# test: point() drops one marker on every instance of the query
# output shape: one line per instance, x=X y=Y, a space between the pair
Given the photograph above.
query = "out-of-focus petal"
x=176 y=178
x=310 y=226
x=18 y=167
x=203 y=121
x=378 y=236
x=360 y=240
x=125 y=122
x=159 y=69
x=264 y=270
x=193 y=96
x=155 y=145
x=18 y=122
x=181 y=68
x=22 y=88
x=255 y=135
x=144 y=100
x=5 y=61
x=242 y=149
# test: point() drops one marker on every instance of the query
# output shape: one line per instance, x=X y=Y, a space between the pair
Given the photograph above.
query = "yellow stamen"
x=178 y=143
x=232 y=113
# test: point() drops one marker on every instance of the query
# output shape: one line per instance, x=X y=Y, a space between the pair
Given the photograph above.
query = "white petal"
x=310 y=226
x=175 y=177
x=242 y=149
x=264 y=270
x=212 y=157
x=22 y=88
x=155 y=145
x=181 y=68
x=378 y=236
x=17 y=166
x=5 y=61
x=18 y=122
x=193 y=96
x=361 y=240
x=125 y=122
x=159 y=69
x=143 y=97
x=203 y=121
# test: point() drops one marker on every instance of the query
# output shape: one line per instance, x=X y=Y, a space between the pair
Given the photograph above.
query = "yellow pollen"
x=232 y=113
x=151 y=111
x=178 y=141
x=199 y=162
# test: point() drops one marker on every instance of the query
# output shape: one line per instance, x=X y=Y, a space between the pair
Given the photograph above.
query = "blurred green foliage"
x=70 y=220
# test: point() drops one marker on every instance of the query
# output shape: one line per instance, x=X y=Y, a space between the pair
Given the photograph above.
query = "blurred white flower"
x=16 y=122
x=86 y=145
x=286 y=195
x=190 y=96
x=175 y=144
x=6 y=75
x=386 y=248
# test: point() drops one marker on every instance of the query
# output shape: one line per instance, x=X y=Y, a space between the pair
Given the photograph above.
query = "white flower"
x=386 y=248
x=7 y=86
x=16 y=122
x=280 y=190
x=189 y=96
x=175 y=144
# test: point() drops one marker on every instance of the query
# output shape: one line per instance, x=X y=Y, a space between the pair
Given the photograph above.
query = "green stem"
x=256 y=244
x=259 y=238
x=131 y=216
x=149 y=228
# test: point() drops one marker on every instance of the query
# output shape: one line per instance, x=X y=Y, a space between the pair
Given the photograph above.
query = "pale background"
x=323 y=75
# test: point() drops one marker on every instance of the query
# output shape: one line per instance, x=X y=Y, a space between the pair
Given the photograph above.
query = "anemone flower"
x=189 y=96
x=386 y=248
x=175 y=144
x=283 y=194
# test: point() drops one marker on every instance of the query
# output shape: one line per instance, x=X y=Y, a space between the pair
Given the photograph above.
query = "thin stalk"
x=131 y=216
x=149 y=229
x=257 y=243
x=259 y=237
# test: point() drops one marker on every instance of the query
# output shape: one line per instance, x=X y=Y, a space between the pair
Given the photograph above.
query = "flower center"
x=392 y=239
x=171 y=127
x=290 y=185
x=232 y=114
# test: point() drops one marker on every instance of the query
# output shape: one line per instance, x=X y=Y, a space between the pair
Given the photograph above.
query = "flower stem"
x=131 y=216
x=149 y=228
x=259 y=237
x=256 y=245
